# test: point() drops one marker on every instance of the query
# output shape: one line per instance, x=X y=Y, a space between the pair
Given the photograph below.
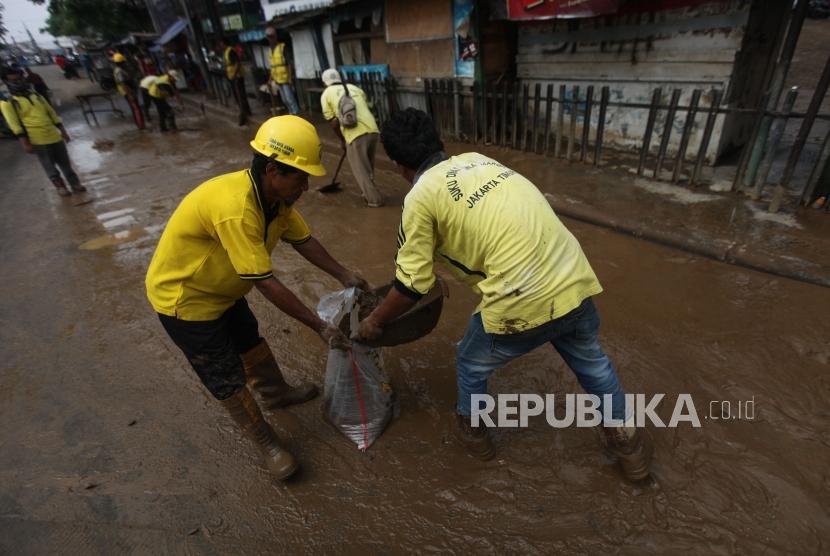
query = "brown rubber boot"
x=265 y=378
x=245 y=411
x=61 y=187
x=632 y=449
x=475 y=439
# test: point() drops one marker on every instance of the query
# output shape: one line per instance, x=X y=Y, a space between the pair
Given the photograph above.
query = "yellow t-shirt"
x=32 y=116
x=122 y=79
x=216 y=244
x=496 y=231
x=365 y=120
x=279 y=70
x=160 y=87
x=231 y=67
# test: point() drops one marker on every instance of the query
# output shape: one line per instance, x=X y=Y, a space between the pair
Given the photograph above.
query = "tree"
x=2 y=27
x=108 y=19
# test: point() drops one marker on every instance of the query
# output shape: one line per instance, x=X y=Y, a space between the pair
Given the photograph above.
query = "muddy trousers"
x=574 y=336
x=146 y=103
x=361 y=155
x=238 y=87
x=167 y=116
x=138 y=117
x=55 y=156
x=213 y=346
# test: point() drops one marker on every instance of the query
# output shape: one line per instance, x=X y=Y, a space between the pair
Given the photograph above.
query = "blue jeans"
x=287 y=94
x=575 y=337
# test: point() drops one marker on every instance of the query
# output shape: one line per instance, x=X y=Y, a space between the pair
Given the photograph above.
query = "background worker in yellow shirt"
x=360 y=139
x=281 y=71
x=217 y=247
x=235 y=73
x=497 y=232
x=33 y=120
x=160 y=90
x=125 y=84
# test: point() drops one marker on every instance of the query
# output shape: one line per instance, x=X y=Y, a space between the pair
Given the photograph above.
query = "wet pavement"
x=109 y=443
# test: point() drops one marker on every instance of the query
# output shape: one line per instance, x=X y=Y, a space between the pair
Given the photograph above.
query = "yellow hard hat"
x=292 y=141
x=118 y=58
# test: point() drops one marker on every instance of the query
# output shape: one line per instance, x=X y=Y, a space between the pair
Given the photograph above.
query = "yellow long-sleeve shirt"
x=33 y=117
x=497 y=232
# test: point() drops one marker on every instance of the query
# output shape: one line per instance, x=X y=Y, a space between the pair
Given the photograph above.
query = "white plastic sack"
x=357 y=396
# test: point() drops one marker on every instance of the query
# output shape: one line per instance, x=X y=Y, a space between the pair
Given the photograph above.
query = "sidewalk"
x=719 y=225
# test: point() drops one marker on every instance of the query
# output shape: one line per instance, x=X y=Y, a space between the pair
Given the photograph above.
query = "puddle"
x=110 y=240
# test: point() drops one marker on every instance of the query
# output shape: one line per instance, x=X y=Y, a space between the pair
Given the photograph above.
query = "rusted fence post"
x=456 y=109
x=667 y=129
x=779 y=124
x=572 y=129
x=687 y=132
x=548 y=107
x=815 y=173
x=515 y=115
x=525 y=112
x=534 y=139
x=707 y=135
x=603 y=106
x=504 y=105
x=801 y=139
x=586 y=122
x=560 y=121
x=652 y=116
x=746 y=154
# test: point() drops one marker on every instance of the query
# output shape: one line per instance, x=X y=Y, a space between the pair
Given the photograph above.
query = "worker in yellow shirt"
x=281 y=71
x=217 y=247
x=496 y=231
x=235 y=72
x=161 y=88
x=33 y=120
x=360 y=137
x=125 y=85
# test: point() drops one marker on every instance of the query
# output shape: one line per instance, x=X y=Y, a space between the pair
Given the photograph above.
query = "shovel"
x=334 y=186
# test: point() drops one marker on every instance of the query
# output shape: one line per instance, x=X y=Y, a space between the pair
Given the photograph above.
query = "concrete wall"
x=686 y=48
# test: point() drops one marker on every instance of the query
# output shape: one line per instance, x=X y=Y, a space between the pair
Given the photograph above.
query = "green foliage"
x=108 y=19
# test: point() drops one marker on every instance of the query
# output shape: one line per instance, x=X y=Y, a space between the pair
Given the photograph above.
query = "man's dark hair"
x=260 y=163
x=6 y=71
x=410 y=138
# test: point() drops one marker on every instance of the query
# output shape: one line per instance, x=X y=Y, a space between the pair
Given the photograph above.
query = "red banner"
x=546 y=9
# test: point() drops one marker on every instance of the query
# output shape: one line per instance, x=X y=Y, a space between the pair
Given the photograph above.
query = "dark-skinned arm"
x=314 y=252
x=285 y=300
x=335 y=125
x=394 y=305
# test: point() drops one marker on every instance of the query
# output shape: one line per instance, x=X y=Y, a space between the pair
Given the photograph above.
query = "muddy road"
x=109 y=444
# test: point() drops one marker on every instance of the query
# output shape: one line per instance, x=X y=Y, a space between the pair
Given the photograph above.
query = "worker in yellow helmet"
x=235 y=72
x=216 y=247
x=125 y=85
x=160 y=89
x=281 y=70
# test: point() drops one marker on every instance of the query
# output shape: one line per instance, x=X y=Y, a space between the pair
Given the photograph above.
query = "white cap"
x=174 y=74
x=331 y=76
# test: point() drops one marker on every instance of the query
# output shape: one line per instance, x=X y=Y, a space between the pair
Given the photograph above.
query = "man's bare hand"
x=334 y=338
x=353 y=279
x=27 y=146
x=368 y=329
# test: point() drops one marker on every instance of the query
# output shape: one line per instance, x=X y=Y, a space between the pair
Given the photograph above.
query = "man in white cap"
x=354 y=123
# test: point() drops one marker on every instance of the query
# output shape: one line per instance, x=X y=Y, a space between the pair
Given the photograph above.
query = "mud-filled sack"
x=357 y=396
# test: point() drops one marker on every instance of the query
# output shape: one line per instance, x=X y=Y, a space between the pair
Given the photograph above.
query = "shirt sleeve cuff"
x=297 y=241
x=255 y=277
x=411 y=294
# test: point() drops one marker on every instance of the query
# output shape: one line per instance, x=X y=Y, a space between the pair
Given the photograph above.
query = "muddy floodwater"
x=109 y=444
